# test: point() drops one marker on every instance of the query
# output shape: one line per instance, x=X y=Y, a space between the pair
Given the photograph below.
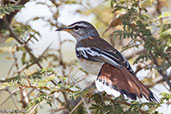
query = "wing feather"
x=108 y=56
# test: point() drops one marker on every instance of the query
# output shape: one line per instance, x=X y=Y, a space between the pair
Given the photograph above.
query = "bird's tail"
x=116 y=81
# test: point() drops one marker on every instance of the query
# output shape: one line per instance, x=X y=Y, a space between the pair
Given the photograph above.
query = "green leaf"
x=36 y=18
x=23 y=59
x=9 y=8
x=165 y=14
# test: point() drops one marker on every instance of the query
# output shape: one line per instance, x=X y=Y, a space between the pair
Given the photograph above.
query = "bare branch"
x=10 y=96
x=76 y=106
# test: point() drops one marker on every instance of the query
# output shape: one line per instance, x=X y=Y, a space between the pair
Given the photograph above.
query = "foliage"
x=137 y=25
x=33 y=83
x=9 y=8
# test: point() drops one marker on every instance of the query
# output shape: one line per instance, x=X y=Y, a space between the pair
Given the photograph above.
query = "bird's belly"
x=90 y=66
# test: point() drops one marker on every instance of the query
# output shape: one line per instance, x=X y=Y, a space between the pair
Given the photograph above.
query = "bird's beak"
x=64 y=29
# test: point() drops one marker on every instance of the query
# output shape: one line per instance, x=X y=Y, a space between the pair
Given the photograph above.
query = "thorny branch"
x=157 y=65
x=22 y=43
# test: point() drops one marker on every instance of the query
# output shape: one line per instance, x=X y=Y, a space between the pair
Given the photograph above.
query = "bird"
x=96 y=56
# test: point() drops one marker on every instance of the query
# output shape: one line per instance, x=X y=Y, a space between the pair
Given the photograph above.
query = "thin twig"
x=24 y=99
x=12 y=98
x=35 y=60
x=22 y=43
x=82 y=96
x=33 y=109
x=57 y=110
x=157 y=65
x=27 y=78
x=157 y=82
x=28 y=94
x=79 y=103
x=38 y=59
x=9 y=96
x=9 y=71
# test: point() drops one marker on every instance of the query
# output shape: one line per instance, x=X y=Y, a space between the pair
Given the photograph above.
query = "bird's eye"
x=76 y=27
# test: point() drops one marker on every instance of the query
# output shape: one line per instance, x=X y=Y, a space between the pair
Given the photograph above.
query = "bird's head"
x=80 y=30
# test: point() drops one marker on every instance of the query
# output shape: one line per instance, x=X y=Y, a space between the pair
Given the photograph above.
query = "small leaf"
x=36 y=18
x=23 y=59
x=165 y=14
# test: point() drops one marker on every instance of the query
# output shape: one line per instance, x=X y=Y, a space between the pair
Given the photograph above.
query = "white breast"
x=90 y=66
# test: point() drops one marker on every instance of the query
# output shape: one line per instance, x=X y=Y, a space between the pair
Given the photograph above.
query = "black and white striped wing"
x=107 y=56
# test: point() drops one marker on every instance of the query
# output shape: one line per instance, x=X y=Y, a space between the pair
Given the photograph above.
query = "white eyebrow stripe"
x=79 y=24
